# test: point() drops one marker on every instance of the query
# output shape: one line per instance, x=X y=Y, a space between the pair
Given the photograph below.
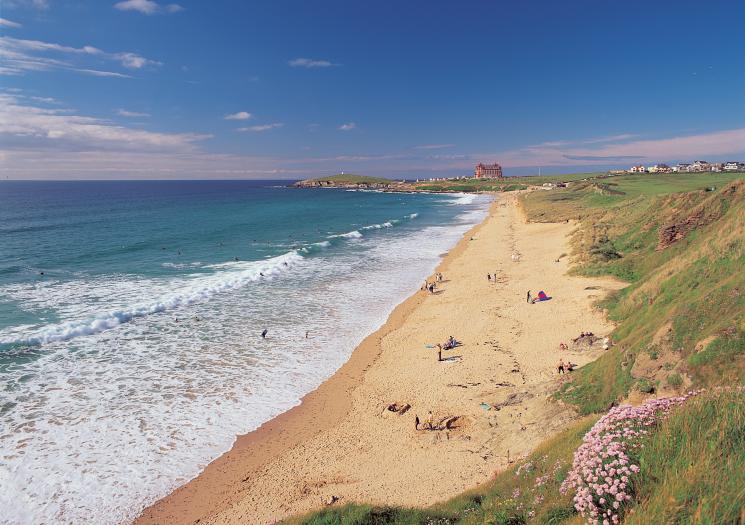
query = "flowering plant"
x=603 y=466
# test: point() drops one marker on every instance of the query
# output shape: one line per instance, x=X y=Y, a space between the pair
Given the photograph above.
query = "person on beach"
x=529 y=296
x=416 y=422
x=439 y=352
x=488 y=277
x=561 y=366
x=263 y=333
x=428 y=422
x=306 y=333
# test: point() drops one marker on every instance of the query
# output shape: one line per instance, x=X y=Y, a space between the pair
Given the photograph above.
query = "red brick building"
x=488 y=171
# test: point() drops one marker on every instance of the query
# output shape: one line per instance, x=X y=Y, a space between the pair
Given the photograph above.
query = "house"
x=716 y=167
x=733 y=166
x=638 y=169
x=487 y=171
x=699 y=165
x=683 y=167
x=663 y=168
x=659 y=168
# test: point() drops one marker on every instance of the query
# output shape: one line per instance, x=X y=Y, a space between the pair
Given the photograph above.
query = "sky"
x=286 y=89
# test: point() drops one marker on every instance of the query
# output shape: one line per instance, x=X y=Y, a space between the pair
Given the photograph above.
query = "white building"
x=733 y=166
x=699 y=165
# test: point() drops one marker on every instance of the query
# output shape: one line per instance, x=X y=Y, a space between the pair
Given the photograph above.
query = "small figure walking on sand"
x=263 y=333
x=561 y=366
x=439 y=352
x=416 y=422
x=529 y=296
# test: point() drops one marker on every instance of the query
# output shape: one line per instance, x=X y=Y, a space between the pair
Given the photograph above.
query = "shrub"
x=674 y=380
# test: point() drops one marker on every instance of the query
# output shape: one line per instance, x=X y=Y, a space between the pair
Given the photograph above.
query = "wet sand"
x=343 y=442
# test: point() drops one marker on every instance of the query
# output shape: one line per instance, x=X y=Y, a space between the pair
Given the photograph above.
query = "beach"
x=489 y=397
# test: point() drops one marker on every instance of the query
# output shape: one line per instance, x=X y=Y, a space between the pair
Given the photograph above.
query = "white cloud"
x=20 y=56
x=434 y=146
x=36 y=4
x=131 y=114
x=134 y=61
x=349 y=126
x=262 y=127
x=4 y=22
x=310 y=63
x=147 y=7
x=30 y=127
x=241 y=115
x=99 y=73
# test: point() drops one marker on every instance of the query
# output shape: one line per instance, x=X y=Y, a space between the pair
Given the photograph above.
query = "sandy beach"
x=343 y=442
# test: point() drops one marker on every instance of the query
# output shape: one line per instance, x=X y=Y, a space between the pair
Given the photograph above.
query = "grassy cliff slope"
x=680 y=243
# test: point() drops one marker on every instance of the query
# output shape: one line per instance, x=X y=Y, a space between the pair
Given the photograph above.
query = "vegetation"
x=470 y=185
x=348 y=178
x=680 y=326
x=682 y=253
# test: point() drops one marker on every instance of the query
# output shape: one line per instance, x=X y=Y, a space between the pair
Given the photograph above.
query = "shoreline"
x=255 y=480
x=322 y=407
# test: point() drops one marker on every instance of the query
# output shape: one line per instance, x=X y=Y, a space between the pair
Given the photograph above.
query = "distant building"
x=716 y=167
x=638 y=169
x=683 y=167
x=488 y=171
x=659 y=168
x=733 y=166
x=699 y=165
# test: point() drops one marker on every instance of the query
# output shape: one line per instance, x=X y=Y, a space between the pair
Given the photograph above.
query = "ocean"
x=131 y=315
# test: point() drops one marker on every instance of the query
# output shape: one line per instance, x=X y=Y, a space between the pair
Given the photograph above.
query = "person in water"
x=263 y=333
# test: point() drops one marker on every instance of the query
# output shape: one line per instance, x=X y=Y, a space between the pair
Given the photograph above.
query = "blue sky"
x=288 y=89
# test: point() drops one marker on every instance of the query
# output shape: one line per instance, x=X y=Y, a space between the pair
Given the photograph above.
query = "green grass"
x=348 y=178
x=693 y=467
x=506 y=184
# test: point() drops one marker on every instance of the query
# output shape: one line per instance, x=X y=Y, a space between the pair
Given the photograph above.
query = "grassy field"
x=680 y=326
x=506 y=184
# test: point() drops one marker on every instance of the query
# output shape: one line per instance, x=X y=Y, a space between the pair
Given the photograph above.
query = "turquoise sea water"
x=131 y=313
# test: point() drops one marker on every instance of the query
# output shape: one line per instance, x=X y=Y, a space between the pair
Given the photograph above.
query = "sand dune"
x=343 y=442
